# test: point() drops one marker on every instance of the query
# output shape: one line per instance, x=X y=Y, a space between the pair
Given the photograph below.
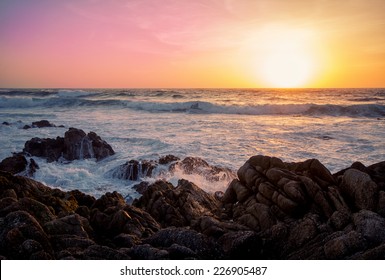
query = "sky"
x=192 y=43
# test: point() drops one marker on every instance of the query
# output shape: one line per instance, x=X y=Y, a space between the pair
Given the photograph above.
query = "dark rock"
x=141 y=187
x=126 y=240
x=97 y=252
x=188 y=238
x=370 y=225
x=146 y=252
x=75 y=145
x=73 y=225
x=168 y=159
x=360 y=189
x=242 y=245
x=344 y=245
x=51 y=149
x=42 y=123
x=14 y=164
x=134 y=170
x=195 y=165
x=6 y=123
x=178 y=206
x=17 y=228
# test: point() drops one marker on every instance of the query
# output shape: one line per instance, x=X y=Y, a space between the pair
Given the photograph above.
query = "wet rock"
x=51 y=149
x=195 y=165
x=134 y=170
x=18 y=164
x=14 y=164
x=168 y=159
x=42 y=123
x=76 y=144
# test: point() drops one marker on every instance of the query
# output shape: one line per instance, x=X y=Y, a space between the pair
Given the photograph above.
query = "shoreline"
x=274 y=210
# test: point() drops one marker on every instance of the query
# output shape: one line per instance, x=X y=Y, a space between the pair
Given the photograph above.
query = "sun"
x=286 y=59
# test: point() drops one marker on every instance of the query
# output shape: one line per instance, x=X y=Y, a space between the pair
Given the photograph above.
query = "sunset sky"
x=192 y=43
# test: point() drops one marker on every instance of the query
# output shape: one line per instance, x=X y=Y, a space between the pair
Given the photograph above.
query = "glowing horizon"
x=192 y=44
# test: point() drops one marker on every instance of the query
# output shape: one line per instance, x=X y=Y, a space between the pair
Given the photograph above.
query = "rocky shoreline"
x=271 y=210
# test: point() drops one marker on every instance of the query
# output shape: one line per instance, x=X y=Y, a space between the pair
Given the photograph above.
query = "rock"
x=75 y=145
x=51 y=149
x=73 y=225
x=340 y=219
x=146 y=252
x=188 y=238
x=78 y=145
x=134 y=170
x=126 y=240
x=17 y=228
x=168 y=159
x=242 y=245
x=344 y=245
x=101 y=149
x=14 y=164
x=360 y=189
x=178 y=206
x=195 y=165
x=370 y=225
x=42 y=123
x=6 y=123
x=98 y=252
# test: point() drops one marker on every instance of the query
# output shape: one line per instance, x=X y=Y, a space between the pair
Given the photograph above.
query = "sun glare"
x=286 y=60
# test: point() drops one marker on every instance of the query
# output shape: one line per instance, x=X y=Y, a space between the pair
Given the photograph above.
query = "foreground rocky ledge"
x=274 y=210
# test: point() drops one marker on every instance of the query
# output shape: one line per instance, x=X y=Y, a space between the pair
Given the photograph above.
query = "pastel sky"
x=191 y=43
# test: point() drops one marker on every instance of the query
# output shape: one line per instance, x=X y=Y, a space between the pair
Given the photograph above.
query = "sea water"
x=222 y=126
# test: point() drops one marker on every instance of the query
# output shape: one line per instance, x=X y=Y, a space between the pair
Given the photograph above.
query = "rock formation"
x=76 y=144
x=273 y=210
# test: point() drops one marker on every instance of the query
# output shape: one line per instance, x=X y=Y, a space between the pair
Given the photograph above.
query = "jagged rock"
x=177 y=206
x=76 y=144
x=51 y=149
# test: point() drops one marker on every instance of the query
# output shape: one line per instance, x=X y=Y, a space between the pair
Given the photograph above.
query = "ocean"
x=222 y=126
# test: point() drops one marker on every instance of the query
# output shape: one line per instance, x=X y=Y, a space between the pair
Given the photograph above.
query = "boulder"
x=359 y=188
x=76 y=144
